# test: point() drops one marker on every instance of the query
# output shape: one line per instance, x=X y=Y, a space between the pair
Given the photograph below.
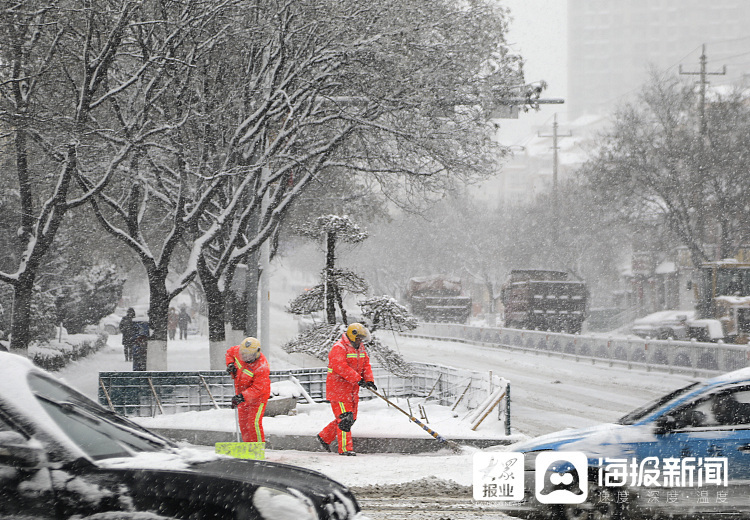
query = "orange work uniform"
x=346 y=367
x=253 y=381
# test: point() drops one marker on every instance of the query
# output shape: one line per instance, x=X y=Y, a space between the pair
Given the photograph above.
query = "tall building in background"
x=612 y=43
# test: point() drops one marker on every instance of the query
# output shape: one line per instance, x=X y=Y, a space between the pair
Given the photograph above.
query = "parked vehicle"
x=438 y=299
x=544 y=300
x=63 y=456
x=722 y=309
x=686 y=454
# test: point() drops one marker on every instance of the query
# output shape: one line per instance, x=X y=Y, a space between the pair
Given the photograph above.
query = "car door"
x=710 y=436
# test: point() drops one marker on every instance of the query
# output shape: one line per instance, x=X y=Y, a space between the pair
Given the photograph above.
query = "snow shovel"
x=239 y=449
x=452 y=445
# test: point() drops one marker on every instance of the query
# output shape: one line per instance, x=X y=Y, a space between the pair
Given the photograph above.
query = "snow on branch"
x=308 y=302
x=318 y=340
x=385 y=312
x=315 y=341
x=340 y=225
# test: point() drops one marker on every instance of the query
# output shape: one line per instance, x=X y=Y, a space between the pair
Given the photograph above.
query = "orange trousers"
x=332 y=431
x=251 y=421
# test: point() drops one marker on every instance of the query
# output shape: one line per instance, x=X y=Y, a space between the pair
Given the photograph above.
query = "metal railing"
x=686 y=356
x=147 y=394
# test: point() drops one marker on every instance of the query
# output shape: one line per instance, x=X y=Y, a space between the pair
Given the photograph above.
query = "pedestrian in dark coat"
x=128 y=331
x=183 y=320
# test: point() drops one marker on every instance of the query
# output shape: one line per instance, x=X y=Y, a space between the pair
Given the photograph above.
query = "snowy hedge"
x=55 y=354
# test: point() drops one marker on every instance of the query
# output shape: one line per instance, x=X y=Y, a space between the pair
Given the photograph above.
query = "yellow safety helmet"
x=357 y=330
x=249 y=349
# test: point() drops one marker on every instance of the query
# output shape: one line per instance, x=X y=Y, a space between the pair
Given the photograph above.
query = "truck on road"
x=438 y=298
x=544 y=300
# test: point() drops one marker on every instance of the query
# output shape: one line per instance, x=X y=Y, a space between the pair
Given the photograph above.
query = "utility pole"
x=555 y=136
x=703 y=82
x=703 y=130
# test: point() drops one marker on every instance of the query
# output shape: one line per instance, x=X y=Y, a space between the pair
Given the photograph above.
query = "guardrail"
x=146 y=394
x=630 y=351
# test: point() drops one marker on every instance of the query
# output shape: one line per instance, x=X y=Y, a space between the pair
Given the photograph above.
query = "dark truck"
x=544 y=300
x=438 y=299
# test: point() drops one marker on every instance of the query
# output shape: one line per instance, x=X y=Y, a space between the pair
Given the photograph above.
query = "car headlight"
x=273 y=504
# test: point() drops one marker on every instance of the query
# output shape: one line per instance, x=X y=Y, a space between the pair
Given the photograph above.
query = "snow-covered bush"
x=55 y=354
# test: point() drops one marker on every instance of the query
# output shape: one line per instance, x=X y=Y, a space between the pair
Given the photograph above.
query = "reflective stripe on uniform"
x=258 y=417
x=342 y=442
x=245 y=370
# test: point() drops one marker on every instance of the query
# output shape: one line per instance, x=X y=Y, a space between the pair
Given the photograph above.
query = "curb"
x=404 y=445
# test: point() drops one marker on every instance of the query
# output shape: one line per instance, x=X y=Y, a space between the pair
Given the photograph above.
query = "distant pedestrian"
x=252 y=385
x=128 y=331
x=172 y=322
x=183 y=320
x=348 y=370
x=140 y=345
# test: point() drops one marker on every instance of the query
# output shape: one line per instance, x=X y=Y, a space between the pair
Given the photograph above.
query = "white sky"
x=538 y=32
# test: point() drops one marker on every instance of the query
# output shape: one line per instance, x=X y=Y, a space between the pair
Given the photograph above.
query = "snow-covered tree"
x=88 y=297
x=667 y=160
x=335 y=282
x=60 y=64
x=367 y=89
x=380 y=312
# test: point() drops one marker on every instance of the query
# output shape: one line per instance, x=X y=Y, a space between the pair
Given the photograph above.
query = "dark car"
x=62 y=455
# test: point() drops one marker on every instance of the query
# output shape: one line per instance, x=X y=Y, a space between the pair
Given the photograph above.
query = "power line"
x=703 y=82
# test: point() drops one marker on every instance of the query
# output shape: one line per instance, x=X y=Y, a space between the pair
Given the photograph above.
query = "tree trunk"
x=329 y=281
x=340 y=302
x=21 y=315
x=216 y=308
x=158 y=309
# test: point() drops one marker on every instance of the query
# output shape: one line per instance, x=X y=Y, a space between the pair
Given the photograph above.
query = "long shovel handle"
x=452 y=445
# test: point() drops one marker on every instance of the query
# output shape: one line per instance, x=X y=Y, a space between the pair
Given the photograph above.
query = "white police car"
x=686 y=454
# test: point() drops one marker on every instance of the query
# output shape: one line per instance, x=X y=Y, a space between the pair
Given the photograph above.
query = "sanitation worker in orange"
x=252 y=383
x=348 y=370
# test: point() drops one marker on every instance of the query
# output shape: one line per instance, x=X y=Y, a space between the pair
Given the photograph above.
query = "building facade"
x=612 y=44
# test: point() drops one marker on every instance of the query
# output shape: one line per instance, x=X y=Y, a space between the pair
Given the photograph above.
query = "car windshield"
x=642 y=411
x=99 y=433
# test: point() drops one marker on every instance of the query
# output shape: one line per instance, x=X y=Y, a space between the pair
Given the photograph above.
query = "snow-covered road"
x=550 y=393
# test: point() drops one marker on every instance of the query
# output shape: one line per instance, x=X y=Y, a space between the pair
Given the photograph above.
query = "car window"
x=99 y=433
x=650 y=407
x=730 y=407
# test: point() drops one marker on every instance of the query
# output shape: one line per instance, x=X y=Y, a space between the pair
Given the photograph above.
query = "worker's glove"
x=368 y=384
x=346 y=421
x=237 y=399
x=231 y=369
